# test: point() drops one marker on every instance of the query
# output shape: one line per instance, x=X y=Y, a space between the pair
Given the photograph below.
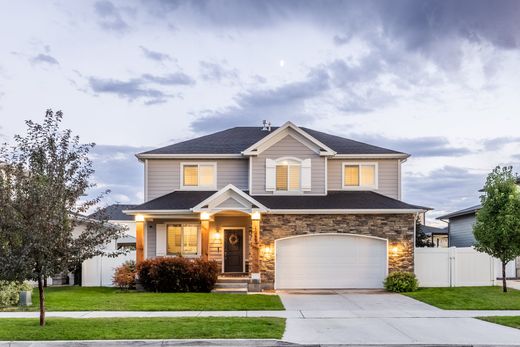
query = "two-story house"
x=290 y=207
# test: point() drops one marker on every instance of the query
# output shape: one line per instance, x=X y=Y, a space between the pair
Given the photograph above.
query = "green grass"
x=141 y=328
x=513 y=321
x=111 y=299
x=469 y=298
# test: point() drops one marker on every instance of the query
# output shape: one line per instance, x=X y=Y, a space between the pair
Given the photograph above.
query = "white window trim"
x=198 y=163
x=376 y=175
x=199 y=241
x=288 y=192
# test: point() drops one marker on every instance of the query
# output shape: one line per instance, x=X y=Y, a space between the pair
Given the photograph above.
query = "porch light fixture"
x=217 y=235
x=395 y=251
x=255 y=215
x=204 y=216
x=139 y=218
x=267 y=250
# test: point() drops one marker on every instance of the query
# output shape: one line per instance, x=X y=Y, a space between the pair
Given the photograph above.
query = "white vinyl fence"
x=98 y=271
x=457 y=267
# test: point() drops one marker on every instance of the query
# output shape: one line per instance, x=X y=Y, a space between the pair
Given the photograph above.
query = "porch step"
x=226 y=279
x=231 y=285
x=222 y=285
x=230 y=290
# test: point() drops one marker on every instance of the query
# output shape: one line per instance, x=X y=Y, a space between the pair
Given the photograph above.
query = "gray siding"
x=164 y=174
x=388 y=175
x=461 y=231
x=150 y=240
x=288 y=147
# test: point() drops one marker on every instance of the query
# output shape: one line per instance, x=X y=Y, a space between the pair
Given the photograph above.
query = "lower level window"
x=183 y=239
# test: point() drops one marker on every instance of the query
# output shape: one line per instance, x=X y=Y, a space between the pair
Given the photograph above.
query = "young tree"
x=497 y=229
x=421 y=239
x=43 y=183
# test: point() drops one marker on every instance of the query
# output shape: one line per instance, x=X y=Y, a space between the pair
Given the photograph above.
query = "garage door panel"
x=330 y=261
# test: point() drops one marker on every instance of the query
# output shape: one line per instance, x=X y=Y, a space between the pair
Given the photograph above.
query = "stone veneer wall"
x=397 y=228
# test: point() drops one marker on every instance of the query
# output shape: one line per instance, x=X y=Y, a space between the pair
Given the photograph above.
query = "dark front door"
x=233 y=250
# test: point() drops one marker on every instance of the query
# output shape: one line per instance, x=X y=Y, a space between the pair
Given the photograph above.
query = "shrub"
x=399 y=282
x=178 y=274
x=124 y=275
x=9 y=292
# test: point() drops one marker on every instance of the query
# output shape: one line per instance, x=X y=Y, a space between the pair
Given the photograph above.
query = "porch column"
x=139 y=239
x=204 y=234
x=255 y=246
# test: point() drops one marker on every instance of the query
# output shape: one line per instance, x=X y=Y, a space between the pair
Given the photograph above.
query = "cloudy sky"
x=437 y=79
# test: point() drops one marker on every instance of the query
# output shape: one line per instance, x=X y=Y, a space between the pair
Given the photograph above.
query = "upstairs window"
x=360 y=176
x=182 y=239
x=288 y=176
x=198 y=176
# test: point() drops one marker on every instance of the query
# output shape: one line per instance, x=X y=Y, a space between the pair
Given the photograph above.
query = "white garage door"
x=330 y=261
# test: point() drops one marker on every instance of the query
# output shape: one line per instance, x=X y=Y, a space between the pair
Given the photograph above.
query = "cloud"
x=117 y=168
x=430 y=146
x=446 y=189
x=110 y=16
x=139 y=88
x=276 y=104
x=154 y=55
x=177 y=78
x=436 y=29
x=44 y=59
x=497 y=143
x=216 y=72
x=131 y=89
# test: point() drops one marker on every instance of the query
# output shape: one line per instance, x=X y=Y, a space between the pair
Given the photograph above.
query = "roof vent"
x=266 y=125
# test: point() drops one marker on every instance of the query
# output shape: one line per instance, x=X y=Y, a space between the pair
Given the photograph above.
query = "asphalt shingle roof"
x=356 y=200
x=113 y=212
x=464 y=212
x=236 y=140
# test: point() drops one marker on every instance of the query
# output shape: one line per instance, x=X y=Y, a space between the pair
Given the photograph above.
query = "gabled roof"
x=459 y=213
x=363 y=201
x=229 y=189
x=234 y=141
x=113 y=212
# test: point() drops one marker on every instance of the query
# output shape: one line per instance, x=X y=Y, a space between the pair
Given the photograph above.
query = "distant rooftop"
x=114 y=212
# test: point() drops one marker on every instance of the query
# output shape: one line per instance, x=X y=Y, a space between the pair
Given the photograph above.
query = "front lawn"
x=142 y=328
x=111 y=299
x=513 y=321
x=469 y=298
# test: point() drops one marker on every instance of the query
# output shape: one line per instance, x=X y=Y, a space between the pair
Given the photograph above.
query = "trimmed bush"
x=178 y=274
x=9 y=292
x=124 y=275
x=400 y=282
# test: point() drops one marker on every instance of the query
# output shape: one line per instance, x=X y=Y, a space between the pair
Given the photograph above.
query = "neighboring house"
x=286 y=207
x=438 y=236
x=460 y=230
x=98 y=271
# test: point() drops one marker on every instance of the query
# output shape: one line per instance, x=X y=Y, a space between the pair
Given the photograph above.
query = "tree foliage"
x=497 y=228
x=44 y=179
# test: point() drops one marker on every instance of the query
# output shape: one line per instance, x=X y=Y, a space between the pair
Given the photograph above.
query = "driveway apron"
x=377 y=317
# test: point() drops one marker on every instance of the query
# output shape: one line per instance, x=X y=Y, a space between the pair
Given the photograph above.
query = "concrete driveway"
x=376 y=317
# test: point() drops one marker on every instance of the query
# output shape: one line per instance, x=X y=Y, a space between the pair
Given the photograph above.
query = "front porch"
x=225 y=228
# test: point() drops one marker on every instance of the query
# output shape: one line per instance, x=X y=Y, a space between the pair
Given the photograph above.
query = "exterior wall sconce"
x=139 y=218
x=267 y=251
x=204 y=216
x=395 y=251
x=217 y=237
x=255 y=215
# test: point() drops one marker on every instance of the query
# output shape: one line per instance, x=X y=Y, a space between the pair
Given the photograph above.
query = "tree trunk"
x=504 y=284
x=42 y=301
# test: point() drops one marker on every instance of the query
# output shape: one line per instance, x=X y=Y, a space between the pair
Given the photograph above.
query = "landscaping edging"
x=162 y=343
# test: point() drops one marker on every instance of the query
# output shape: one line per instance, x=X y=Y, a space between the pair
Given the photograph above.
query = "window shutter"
x=306 y=175
x=160 y=241
x=270 y=174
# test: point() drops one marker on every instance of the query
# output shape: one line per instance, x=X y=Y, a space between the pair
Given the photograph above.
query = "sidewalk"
x=298 y=314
